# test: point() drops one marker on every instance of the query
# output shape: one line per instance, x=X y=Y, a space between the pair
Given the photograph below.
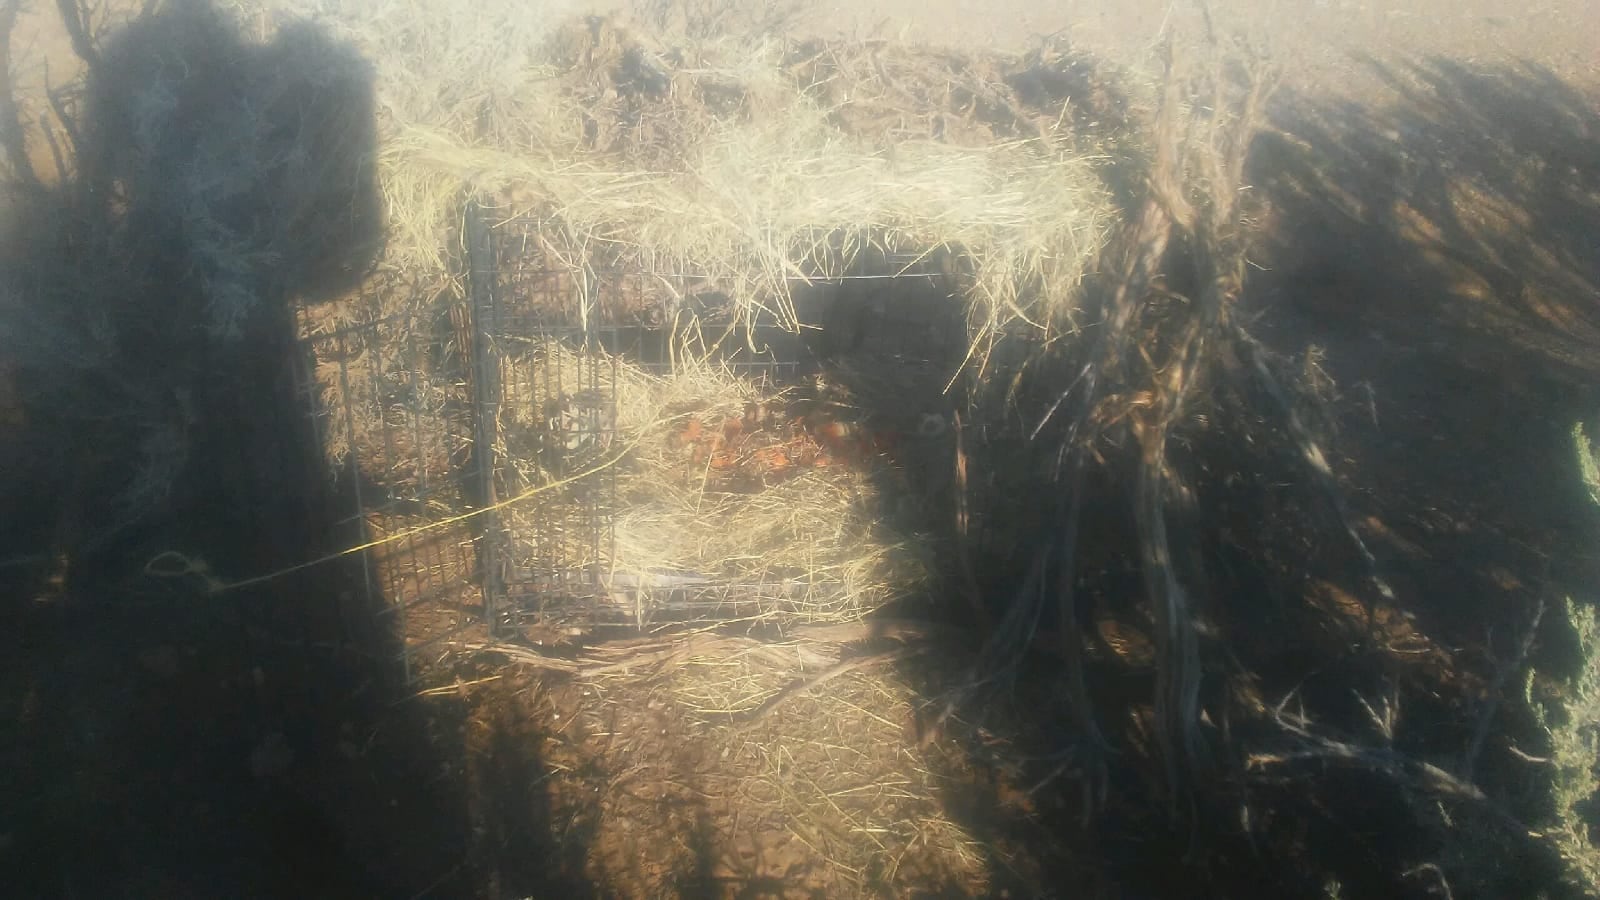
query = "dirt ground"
x=1320 y=44
x=1433 y=256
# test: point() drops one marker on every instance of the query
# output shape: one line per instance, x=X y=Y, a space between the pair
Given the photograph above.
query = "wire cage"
x=394 y=418
x=490 y=444
x=555 y=351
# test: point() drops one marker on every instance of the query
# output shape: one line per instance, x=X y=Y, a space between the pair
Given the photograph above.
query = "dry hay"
x=725 y=156
x=794 y=762
x=744 y=162
x=809 y=546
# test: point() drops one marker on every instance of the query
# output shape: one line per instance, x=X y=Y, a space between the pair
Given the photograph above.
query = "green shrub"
x=1588 y=462
x=1572 y=722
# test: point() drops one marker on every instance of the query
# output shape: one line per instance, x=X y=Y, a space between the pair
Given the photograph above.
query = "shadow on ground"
x=160 y=739
x=1429 y=277
x=1442 y=254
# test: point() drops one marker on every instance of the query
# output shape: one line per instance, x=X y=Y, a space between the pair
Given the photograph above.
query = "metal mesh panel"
x=547 y=350
x=392 y=412
x=438 y=419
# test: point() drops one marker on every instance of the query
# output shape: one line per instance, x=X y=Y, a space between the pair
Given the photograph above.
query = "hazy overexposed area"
x=706 y=448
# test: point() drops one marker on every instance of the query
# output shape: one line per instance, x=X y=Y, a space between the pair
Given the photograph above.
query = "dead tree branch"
x=1503 y=672
x=13 y=140
x=75 y=18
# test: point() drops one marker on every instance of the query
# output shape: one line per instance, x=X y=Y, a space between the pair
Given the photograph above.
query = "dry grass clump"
x=720 y=156
x=786 y=761
x=811 y=546
x=888 y=93
x=836 y=766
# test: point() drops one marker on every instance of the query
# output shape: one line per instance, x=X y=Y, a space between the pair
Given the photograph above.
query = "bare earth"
x=1325 y=45
x=1318 y=43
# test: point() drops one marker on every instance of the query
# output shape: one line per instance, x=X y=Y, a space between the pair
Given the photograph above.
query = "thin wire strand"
x=161 y=565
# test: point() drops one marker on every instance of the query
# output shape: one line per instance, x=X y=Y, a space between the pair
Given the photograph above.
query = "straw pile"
x=746 y=162
x=807 y=542
x=740 y=157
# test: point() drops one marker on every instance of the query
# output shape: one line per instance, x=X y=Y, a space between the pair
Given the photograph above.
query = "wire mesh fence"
x=393 y=417
x=564 y=355
x=489 y=441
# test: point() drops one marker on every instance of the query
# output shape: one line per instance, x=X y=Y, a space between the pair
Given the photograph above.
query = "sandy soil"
x=1321 y=43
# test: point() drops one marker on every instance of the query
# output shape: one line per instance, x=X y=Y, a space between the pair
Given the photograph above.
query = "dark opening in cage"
x=589 y=387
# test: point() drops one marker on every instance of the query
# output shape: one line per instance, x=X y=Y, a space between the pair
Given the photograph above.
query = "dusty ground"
x=1320 y=43
x=1433 y=250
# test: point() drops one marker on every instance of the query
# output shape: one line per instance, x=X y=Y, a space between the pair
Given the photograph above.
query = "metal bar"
x=408 y=566
x=421 y=599
x=366 y=325
x=436 y=639
x=355 y=477
x=303 y=371
x=482 y=292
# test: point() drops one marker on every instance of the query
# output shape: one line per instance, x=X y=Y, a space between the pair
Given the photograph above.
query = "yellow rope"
x=172 y=564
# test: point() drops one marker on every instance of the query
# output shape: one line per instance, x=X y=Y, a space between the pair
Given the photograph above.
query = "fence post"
x=485 y=387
